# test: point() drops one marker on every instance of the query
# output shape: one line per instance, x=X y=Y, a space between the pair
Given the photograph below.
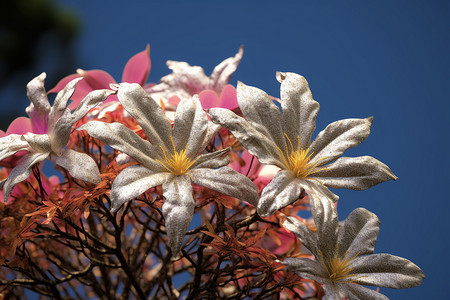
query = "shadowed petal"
x=89 y=102
x=132 y=182
x=39 y=142
x=11 y=144
x=314 y=186
x=359 y=233
x=307 y=268
x=39 y=108
x=79 y=165
x=213 y=160
x=355 y=173
x=190 y=126
x=337 y=137
x=211 y=131
x=303 y=233
x=138 y=67
x=21 y=171
x=255 y=142
x=299 y=108
x=227 y=181
x=59 y=106
x=355 y=291
x=122 y=138
x=284 y=189
x=178 y=209
x=386 y=270
x=147 y=113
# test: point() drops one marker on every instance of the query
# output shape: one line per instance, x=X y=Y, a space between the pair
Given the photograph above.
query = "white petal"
x=213 y=160
x=303 y=233
x=39 y=107
x=178 y=209
x=11 y=144
x=358 y=292
x=307 y=268
x=39 y=142
x=299 y=108
x=89 y=102
x=132 y=182
x=337 y=137
x=355 y=173
x=222 y=73
x=80 y=165
x=63 y=96
x=227 y=181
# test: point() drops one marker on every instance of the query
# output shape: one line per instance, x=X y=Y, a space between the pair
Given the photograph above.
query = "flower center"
x=339 y=269
x=298 y=162
x=177 y=163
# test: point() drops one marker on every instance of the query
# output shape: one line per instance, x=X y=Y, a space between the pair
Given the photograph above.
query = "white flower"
x=284 y=140
x=344 y=257
x=55 y=123
x=170 y=157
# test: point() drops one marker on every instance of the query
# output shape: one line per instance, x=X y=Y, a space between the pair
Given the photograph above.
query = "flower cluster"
x=189 y=175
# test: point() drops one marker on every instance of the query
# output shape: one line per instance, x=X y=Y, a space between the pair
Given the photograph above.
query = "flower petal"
x=21 y=171
x=138 y=67
x=178 y=209
x=307 y=268
x=80 y=165
x=299 y=108
x=255 y=142
x=337 y=137
x=211 y=131
x=38 y=142
x=355 y=173
x=147 y=113
x=209 y=99
x=228 y=181
x=59 y=106
x=358 y=292
x=222 y=73
x=89 y=102
x=303 y=233
x=213 y=160
x=132 y=182
x=11 y=144
x=359 y=233
x=314 y=186
x=386 y=270
x=20 y=125
x=190 y=126
x=121 y=138
x=39 y=108
x=260 y=111
x=284 y=189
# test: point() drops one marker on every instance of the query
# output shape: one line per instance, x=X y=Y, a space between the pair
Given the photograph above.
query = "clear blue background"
x=387 y=59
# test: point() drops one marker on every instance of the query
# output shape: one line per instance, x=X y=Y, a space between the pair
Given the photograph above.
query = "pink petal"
x=174 y=100
x=63 y=82
x=21 y=125
x=209 y=99
x=228 y=97
x=138 y=67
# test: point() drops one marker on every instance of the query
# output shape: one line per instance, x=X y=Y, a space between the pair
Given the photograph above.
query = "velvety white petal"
x=80 y=165
x=299 y=108
x=227 y=181
x=358 y=292
x=326 y=219
x=211 y=131
x=11 y=144
x=132 y=182
x=355 y=173
x=284 y=189
x=21 y=172
x=63 y=96
x=121 y=138
x=222 y=73
x=307 y=268
x=359 y=233
x=303 y=233
x=260 y=111
x=190 y=126
x=60 y=133
x=147 y=113
x=213 y=160
x=178 y=209
x=39 y=142
x=333 y=291
x=39 y=107
x=89 y=102
x=386 y=270
x=314 y=186
x=255 y=142
x=337 y=137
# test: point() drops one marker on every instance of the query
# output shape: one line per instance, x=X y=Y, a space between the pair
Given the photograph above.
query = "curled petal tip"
x=370 y=119
x=114 y=86
x=81 y=72
x=280 y=76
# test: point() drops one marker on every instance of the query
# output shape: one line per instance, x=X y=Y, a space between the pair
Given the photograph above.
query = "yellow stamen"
x=297 y=161
x=177 y=163
x=339 y=269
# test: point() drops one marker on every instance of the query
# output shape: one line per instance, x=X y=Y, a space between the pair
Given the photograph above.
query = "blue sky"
x=387 y=59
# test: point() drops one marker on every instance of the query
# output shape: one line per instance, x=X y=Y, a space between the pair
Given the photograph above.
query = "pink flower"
x=136 y=70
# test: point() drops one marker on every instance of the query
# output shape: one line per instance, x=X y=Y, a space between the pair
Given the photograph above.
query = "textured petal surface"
x=299 y=108
x=227 y=181
x=38 y=142
x=190 y=126
x=39 y=107
x=355 y=173
x=213 y=160
x=357 y=292
x=11 y=144
x=337 y=137
x=147 y=113
x=178 y=209
x=59 y=106
x=79 y=165
x=222 y=73
x=132 y=182
x=138 y=67
x=307 y=268
x=122 y=138
x=89 y=102
x=303 y=233
x=359 y=233
x=386 y=270
x=255 y=142
x=284 y=189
